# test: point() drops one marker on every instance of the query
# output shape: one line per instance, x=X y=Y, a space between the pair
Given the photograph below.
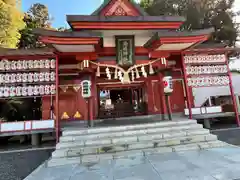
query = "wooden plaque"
x=125 y=50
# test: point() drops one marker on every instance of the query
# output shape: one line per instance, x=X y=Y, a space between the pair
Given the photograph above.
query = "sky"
x=58 y=9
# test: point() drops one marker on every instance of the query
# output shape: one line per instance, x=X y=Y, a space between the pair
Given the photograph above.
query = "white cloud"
x=236 y=8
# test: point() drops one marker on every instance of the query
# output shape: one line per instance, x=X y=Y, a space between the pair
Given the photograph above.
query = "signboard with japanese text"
x=125 y=50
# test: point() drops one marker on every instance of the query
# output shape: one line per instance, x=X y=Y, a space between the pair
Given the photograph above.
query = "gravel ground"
x=18 y=165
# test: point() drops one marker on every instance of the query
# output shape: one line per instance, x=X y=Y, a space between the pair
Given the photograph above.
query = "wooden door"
x=177 y=97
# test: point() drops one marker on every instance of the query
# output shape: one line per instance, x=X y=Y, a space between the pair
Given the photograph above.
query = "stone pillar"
x=36 y=139
x=23 y=139
x=207 y=123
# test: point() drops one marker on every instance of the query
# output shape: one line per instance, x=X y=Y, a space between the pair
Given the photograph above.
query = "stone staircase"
x=96 y=144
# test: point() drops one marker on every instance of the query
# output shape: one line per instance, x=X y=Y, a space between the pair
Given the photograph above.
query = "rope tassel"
x=151 y=69
x=133 y=75
x=116 y=74
x=98 y=72
x=137 y=73
x=143 y=71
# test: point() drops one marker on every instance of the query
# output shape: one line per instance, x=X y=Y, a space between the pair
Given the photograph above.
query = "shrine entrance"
x=121 y=102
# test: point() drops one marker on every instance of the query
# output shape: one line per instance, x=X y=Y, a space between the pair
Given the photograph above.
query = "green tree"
x=36 y=17
x=11 y=21
x=199 y=14
x=40 y=15
x=28 y=39
x=63 y=29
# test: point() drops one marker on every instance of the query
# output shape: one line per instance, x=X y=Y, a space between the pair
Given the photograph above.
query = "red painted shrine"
x=125 y=54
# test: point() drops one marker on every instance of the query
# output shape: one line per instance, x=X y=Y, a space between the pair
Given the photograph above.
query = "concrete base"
x=207 y=123
x=36 y=139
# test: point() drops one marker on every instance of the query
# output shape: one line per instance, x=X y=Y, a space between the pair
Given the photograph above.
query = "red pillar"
x=57 y=123
x=232 y=93
x=150 y=100
x=90 y=109
x=189 y=104
x=91 y=100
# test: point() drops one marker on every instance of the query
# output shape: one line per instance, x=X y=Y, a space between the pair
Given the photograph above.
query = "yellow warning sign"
x=77 y=115
x=65 y=116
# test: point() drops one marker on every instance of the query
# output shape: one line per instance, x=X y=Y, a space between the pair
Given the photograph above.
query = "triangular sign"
x=65 y=116
x=77 y=115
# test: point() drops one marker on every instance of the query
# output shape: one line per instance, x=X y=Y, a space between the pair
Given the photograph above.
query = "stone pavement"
x=211 y=164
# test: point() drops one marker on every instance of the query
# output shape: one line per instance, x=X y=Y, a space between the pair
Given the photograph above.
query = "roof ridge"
x=106 y=2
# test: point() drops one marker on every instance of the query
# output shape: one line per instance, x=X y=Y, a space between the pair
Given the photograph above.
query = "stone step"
x=154 y=142
x=126 y=128
x=86 y=159
x=139 y=137
x=99 y=136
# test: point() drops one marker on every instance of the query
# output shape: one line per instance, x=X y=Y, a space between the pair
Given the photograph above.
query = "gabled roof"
x=87 y=18
x=6 y=52
x=70 y=34
x=98 y=11
x=177 y=35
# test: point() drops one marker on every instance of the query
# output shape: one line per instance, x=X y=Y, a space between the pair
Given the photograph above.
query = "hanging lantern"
x=7 y=78
x=52 y=76
x=30 y=90
x=98 y=72
x=53 y=89
x=36 y=77
x=47 y=64
x=7 y=65
x=13 y=65
x=36 y=90
x=36 y=64
x=18 y=91
x=46 y=76
x=151 y=69
x=41 y=90
x=41 y=76
x=12 y=91
x=137 y=73
x=24 y=91
x=6 y=92
x=46 y=89
x=52 y=64
x=23 y=65
x=41 y=64
x=30 y=77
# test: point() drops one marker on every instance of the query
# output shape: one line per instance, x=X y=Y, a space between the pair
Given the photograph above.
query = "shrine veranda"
x=117 y=62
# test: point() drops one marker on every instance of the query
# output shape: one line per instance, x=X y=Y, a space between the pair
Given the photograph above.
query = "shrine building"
x=119 y=62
